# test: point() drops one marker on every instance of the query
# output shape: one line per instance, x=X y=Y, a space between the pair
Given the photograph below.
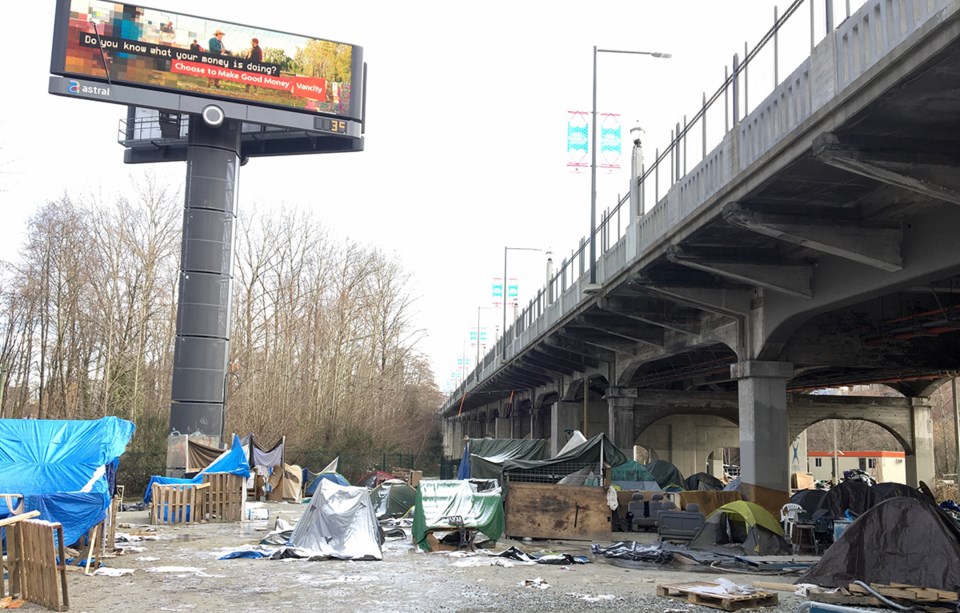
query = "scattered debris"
x=537 y=583
x=589 y=598
x=105 y=571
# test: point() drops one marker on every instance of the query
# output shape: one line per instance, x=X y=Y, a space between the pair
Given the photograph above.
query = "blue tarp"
x=233 y=463
x=63 y=468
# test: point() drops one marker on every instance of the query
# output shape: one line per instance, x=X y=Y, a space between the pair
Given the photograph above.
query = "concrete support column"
x=683 y=450
x=563 y=416
x=457 y=441
x=764 y=439
x=920 y=464
x=501 y=428
x=621 y=427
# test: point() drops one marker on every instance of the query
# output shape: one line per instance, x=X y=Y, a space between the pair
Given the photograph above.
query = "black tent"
x=703 y=482
x=858 y=497
x=666 y=474
x=808 y=499
x=901 y=539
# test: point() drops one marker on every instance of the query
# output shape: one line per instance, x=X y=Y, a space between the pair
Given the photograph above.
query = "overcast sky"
x=466 y=118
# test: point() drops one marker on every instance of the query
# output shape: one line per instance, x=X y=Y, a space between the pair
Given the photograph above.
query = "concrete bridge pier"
x=762 y=400
x=920 y=464
x=621 y=429
x=563 y=416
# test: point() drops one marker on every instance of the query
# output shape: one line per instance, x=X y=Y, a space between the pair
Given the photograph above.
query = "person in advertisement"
x=255 y=54
x=215 y=46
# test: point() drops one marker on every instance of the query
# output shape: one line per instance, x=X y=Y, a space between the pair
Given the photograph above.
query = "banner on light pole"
x=578 y=141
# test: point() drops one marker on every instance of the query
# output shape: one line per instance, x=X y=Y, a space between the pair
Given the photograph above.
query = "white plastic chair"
x=789 y=514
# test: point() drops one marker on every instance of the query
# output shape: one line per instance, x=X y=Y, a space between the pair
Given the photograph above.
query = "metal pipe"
x=823 y=606
x=776 y=48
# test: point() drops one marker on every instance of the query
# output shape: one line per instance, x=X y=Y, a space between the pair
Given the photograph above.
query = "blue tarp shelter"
x=233 y=462
x=63 y=468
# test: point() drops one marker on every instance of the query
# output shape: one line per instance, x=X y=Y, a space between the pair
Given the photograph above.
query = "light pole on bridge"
x=593 y=154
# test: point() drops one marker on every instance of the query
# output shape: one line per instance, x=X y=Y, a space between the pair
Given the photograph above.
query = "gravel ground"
x=179 y=571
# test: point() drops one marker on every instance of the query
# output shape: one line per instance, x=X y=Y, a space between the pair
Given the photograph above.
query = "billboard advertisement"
x=156 y=49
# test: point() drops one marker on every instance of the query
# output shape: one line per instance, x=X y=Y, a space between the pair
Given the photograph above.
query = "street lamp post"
x=593 y=154
x=503 y=334
x=479 y=308
x=636 y=169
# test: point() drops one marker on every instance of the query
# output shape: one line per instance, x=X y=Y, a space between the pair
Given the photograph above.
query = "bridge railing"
x=698 y=160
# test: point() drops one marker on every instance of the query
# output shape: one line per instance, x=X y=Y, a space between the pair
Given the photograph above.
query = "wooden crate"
x=35 y=562
x=177 y=503
x=224 y=500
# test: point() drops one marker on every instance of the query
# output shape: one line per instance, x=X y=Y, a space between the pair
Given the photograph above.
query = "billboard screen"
x=162 y=50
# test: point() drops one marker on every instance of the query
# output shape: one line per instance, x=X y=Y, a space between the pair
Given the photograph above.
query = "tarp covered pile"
x=483 y=458
x=439 y=500
x=63 y=468
x=580 y=461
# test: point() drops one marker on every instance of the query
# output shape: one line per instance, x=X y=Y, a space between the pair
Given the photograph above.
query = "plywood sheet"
x=556 y=512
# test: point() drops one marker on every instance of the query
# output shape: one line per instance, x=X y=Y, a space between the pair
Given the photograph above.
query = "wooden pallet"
x=224 y=500
x=694 y=594
x=177 y=503
x=35 y=562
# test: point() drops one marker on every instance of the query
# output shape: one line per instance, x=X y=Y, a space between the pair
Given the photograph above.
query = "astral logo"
x=74 y=87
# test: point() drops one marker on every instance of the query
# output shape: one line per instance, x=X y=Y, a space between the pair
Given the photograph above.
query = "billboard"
x=127 y=44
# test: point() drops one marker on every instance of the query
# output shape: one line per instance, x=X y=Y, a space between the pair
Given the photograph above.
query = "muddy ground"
x=179 y=571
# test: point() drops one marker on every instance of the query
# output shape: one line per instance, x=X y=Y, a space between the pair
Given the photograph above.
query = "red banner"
x=305 y=87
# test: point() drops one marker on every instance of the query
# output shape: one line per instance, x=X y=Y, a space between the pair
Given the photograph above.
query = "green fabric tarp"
x=438 y=499
x=631 y=470
x=554 y=469
x=487 y=455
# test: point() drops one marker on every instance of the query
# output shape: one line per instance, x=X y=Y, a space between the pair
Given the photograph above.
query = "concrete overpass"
x=815 y=246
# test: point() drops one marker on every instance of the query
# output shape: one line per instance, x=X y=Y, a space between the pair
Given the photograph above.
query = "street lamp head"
x=636 y=132
x=665 y=56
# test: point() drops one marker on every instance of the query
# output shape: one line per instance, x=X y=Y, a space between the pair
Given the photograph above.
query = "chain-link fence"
x=136 y=467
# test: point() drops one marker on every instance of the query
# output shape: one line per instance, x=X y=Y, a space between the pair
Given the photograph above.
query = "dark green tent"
x=392 y=498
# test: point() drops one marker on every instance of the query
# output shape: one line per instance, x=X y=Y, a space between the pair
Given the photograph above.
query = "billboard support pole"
x=202 y=352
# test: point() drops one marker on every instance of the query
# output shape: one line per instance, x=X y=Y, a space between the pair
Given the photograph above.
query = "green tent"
x=438 y=500
x=631 y=470
x=743 y=527
x=392 y=498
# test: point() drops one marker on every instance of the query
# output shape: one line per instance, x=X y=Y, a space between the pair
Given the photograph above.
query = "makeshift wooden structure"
x=702 y=593
x=224 y=500
x=177 y=503
x=539 y=510
x=34 y=562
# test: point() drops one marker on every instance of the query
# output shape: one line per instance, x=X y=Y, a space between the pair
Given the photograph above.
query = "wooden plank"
x=62 y=566
x=18 y=518
x=772 y=585
x=539 y=510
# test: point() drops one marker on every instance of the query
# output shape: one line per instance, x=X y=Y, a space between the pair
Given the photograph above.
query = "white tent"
x=338 y=523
